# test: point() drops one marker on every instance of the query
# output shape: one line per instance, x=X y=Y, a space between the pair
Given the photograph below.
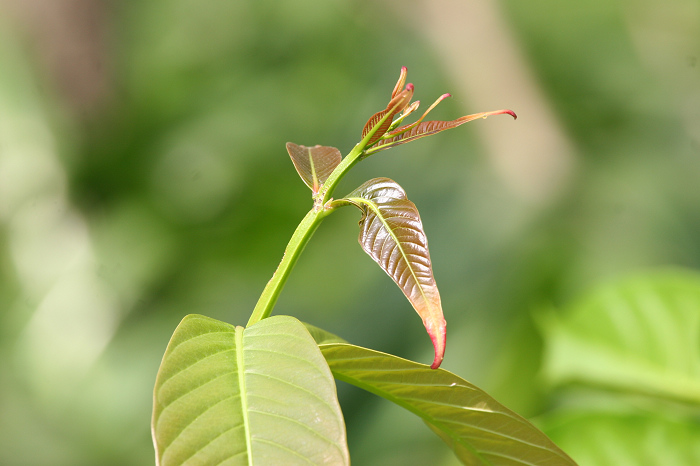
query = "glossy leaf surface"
x=480 y=430
x=410 y=133
x=314 y=164
x=229 y=396
x=638 y=335
x=392 y=234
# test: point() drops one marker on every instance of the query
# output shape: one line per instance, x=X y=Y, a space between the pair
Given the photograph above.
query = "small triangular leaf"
x=314 y=164
x=480 y=430
x=392 y=234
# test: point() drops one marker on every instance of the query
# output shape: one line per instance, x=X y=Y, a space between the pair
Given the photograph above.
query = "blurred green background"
x=143 y=177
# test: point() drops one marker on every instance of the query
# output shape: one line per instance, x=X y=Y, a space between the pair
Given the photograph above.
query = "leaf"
x=261 y=395
x=626 y=436
x=397 y=103
x=410 y=133
x=392 y=234
x=400 y=83
x=321 y=336
x=314 y=164
x=480 y=430
x=640 y=335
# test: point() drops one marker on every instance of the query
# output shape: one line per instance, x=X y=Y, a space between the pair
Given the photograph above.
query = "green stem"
x=351 y=159
x=307 y=227
x=296 y=245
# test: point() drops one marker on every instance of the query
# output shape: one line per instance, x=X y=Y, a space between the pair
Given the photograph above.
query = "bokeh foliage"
x=166 y=190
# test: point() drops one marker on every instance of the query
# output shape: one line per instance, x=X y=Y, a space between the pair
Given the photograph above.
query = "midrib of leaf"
x=314 y=177
x=437 y=423
x=378 y=214
x=338 y=358
x=240 y=363
x=384 y=394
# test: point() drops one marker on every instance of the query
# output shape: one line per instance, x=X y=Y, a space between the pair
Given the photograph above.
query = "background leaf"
x=626 y=433
x=263 y=395
x=641 y=334
x=392 y=234
x=314 y=164
x=480 y=430
x=625 y=361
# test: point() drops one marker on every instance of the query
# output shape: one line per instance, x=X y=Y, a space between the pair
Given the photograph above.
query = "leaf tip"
x=401 y=81
x=438 y=336
x=510 y=112
x=485 y=115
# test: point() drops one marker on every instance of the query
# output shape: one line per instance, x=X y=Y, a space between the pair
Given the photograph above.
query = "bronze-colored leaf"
x=314 y=164
x=396 y=105
x=400 y=83
x=392 y=234
x=410 y=133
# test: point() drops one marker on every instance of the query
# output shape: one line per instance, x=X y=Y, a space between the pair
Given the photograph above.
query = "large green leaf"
x=391 y=232
x=480 y=430
x=225 y=395
x=640 y=335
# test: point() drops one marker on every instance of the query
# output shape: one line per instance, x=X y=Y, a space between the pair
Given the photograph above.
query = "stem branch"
x=296 y=245
x=307 y=227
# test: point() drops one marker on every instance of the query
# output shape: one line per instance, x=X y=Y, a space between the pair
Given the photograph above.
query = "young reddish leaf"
x=392 y=234
x=410 y=109
x=396 y=105
x=314 y=164
x=400 y=83
x=410 y=133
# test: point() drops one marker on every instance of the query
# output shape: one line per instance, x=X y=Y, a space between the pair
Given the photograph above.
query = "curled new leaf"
x=396 y=105
x=314 y=164
x=412 y=132
x=401 y=82
x=383 y=126
x=392 y=234
x=400 y=98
